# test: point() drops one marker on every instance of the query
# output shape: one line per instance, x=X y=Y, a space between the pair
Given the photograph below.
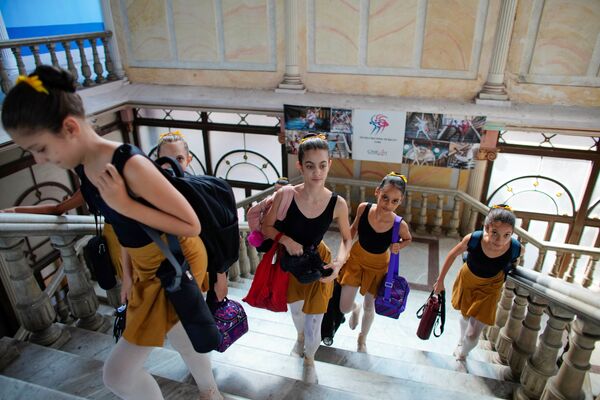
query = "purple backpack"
x=393 y=292
x=231 y=320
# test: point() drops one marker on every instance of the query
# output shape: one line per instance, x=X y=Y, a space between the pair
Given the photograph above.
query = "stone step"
x=242 y=363
x=77 y=376
x=231 y=378
x=15 y=389
x=386 y=334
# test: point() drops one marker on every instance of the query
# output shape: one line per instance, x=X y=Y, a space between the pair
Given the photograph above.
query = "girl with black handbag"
x=43 y=114
x=312 y=210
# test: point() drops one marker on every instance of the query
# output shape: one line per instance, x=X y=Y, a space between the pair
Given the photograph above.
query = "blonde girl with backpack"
x=45 y=116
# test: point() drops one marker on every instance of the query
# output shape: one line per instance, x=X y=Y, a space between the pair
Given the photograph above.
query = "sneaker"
x=353 y=323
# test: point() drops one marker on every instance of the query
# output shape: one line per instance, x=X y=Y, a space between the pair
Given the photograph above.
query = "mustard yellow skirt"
x=477 y=297
x=114 y=248
x=316 y=294
x=365 y=270
x=149 y=314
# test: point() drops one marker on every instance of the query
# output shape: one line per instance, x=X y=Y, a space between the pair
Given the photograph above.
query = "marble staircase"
x=259 y=365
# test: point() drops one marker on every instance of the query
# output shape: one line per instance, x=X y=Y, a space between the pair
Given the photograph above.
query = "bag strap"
x=474 y=240
x=441 y=320
x=98 y=232
x=287 y=194
x=394 y=264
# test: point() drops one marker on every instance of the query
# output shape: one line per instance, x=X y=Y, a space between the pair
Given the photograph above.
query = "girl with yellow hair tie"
x=477 y=288
x=367 y=265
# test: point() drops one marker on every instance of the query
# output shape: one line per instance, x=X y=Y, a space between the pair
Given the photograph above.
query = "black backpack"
x=213 y=201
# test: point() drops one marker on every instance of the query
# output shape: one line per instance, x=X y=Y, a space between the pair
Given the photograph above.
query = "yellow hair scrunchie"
x=33 y=81
x=392 y=173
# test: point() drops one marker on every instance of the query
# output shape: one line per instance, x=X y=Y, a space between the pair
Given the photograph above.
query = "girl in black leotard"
x=43 y=114
x=368 y=263
x=308 y=218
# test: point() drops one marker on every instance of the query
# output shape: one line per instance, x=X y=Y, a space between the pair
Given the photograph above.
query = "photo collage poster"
x=334 y=123
x=442 y=140
x=414 y=138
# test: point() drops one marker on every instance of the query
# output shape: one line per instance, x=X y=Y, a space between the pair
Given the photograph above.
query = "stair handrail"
x=482 y=209
x=569 y=296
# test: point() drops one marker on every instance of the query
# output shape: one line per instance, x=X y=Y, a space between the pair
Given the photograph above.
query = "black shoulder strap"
x=474 y=240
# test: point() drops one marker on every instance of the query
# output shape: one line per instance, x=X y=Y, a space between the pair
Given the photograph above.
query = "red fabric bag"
x=432 y=314
x=270 y=283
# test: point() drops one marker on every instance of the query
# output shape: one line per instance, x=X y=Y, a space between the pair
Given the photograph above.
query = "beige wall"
x=430 y=49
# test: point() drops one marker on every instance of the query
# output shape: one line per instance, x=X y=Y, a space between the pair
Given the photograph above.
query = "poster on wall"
x=378 y=135
x=442 y=140
x=335 y=124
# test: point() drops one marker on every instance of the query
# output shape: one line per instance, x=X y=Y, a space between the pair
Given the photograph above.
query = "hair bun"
x=56 y=78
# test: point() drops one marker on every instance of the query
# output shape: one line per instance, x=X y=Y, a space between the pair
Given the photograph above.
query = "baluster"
x=422 y=228
x=511 y=330
x=454 y=220
x=522 y=259
x=348 y=198
x=542 y=364
x=472 y=219
x=8 y=352
x=85 y=68
x=81 y=298
x=408 y=210
x=568 y=383
x=589 y=271
x=62 y=309
x=439 y=216
x=333 y=186
x=254 y=258
x=525 y=344
x=110 y=68
x=556 y=266
x=508 y=294
x=234 y=271
x=52 y=49
x=363 y=196
x=4 y=81
x=35 y=50
x=20 y=65
x=97 y=64
x=70 y=63
x=539 y=262
x=243 y=257
x=32 y=305
x=570 y=275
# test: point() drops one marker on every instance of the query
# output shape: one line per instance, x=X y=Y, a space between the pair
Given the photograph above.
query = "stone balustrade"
x=103 y=69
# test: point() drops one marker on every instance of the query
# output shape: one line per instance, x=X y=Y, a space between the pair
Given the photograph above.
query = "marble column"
x=292 y=82
x=494 y=89
x=113 y=47
x=508 y=294
x=526 y=343
x=81 y=298
x=245 y=268
x=474 y=189
x=33 y=306
x=542 y=364
x=568 y=383
x=512 y=329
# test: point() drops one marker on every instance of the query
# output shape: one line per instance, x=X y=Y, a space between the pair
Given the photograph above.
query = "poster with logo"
x=378 y=135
